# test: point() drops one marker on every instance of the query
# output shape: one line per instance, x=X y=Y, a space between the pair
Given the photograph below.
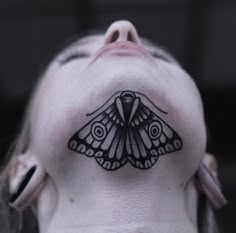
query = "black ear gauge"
x=211 y=187
x=23 y=184
x=28 y=188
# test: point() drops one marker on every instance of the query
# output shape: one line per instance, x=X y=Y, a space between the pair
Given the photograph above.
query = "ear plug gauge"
x=26 y=181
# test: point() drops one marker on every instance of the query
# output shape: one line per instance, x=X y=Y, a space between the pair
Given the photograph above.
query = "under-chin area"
x=117 y=115
x=127 y=128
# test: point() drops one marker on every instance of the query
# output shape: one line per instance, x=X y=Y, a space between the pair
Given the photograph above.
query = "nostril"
x=130 y=37
x=114 y=36
x=121 y=31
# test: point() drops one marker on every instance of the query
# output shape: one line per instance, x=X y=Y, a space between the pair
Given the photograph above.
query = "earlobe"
x=26 y=180
x=209 y=183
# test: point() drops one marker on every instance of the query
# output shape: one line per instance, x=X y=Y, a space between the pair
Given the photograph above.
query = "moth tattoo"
x=126 y=130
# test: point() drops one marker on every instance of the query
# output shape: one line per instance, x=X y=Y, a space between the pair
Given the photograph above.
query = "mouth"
x=122 y=48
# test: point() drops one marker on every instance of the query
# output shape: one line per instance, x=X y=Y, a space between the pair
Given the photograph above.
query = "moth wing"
x=149 y=137
x=102 y=138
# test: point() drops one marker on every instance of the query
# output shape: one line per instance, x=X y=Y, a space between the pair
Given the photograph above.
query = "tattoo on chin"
x=125 y=130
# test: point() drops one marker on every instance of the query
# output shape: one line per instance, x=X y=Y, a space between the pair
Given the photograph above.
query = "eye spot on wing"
x=98 y=131
x=155 y=129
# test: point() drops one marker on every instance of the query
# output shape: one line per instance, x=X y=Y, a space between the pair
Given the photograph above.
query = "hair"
x=15 y=221
x=12 y=220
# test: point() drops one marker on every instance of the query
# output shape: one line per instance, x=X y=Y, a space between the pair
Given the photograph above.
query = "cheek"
x=50 y=137
x=53 y=120
x=60 y=129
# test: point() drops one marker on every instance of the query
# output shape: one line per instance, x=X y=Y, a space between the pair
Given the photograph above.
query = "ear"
x=26 y=180
x=209 y=182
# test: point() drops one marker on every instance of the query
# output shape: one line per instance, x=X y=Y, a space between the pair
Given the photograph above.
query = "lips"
x=121 y=48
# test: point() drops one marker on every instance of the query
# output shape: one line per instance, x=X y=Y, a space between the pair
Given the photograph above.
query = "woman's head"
x=114 y=119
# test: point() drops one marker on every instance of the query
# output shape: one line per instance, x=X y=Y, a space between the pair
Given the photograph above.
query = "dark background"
x=201 y=34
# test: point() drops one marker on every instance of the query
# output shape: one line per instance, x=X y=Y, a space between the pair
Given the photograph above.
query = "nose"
x=122 y=30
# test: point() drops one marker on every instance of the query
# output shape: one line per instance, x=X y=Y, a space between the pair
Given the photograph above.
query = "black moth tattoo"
x=126 y=130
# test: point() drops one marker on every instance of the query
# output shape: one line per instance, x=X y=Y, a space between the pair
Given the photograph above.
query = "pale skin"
x=73 y=193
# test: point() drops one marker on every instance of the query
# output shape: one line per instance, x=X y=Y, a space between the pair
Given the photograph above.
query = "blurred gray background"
x=200 y=33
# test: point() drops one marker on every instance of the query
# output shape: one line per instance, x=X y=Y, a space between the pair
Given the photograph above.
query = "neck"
x=132 y=206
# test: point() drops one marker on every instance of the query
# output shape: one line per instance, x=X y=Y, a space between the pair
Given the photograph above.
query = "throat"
x=135 y=212
x=148 y=227
x=127 y=202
